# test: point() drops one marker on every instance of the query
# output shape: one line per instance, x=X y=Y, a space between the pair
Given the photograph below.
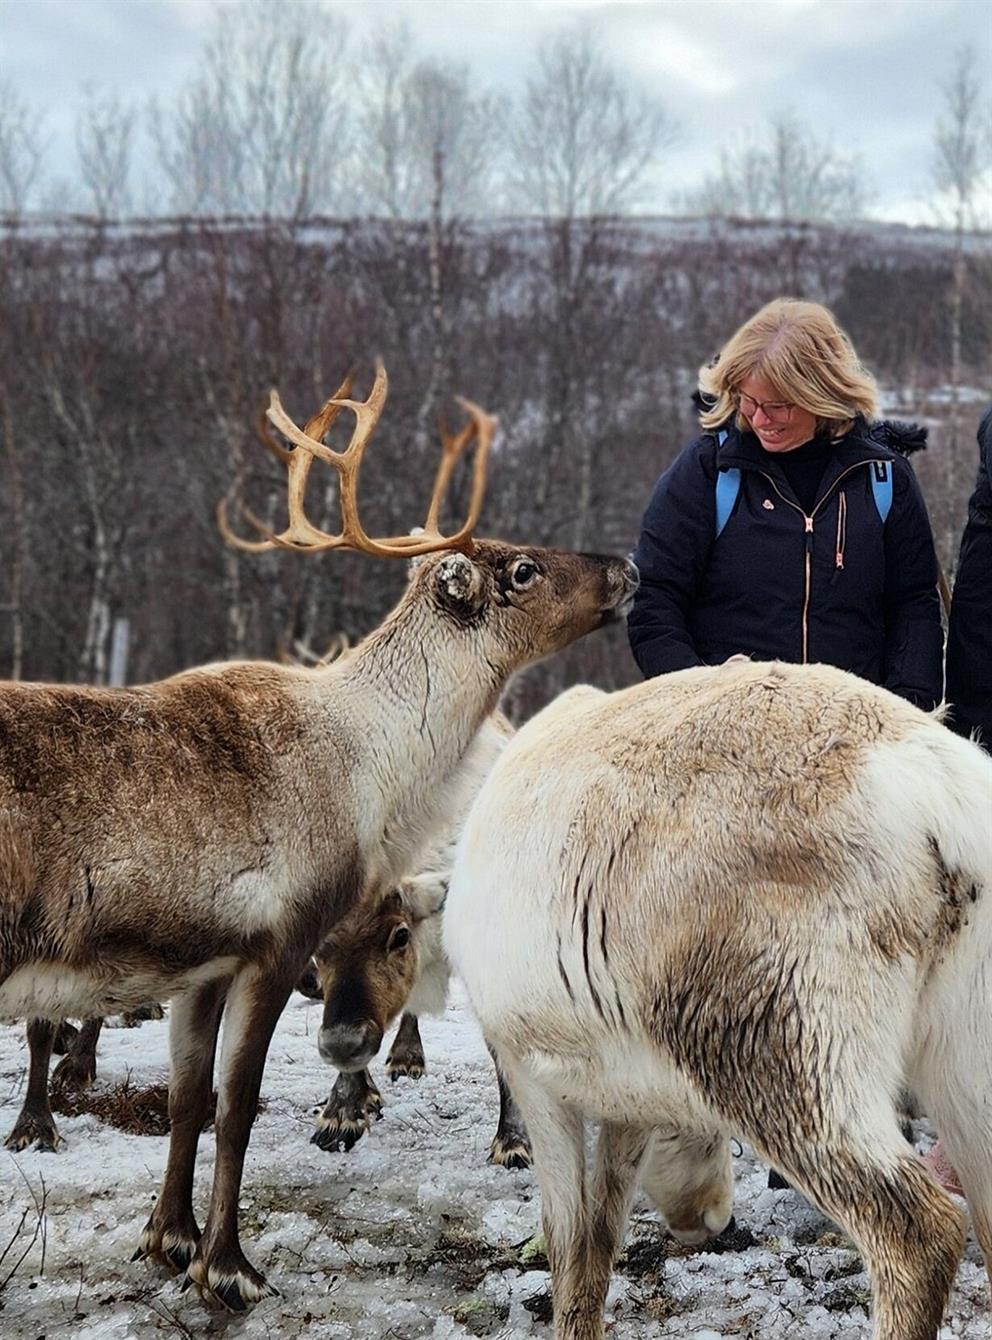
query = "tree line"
x=288 y=114
x=133 y=362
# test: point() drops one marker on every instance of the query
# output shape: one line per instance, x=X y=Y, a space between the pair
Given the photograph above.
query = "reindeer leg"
x=909 y=1231
x=969 y=1146
x=77 y=1069
x=171 y=1234
x=954 y=1077
x=65 y=1035
x=346 y=1116
x=35 y=1121
x=511 y=1143
x=958 y=1088
x=406 y=1056
x=557 y=1135
x=219 y=1267
x=619 y=1151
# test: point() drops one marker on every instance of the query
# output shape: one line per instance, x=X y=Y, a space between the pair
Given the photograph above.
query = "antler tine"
x=319 y=424
x=482 y=427
x=301 y=535
x=235 y=540
x=266 y=438
x=453 y=447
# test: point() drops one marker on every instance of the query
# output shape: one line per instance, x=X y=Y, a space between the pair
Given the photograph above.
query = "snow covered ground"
x=411 y=1234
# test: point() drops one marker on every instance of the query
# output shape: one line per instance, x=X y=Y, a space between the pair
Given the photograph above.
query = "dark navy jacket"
x=969 y=634
x=837 y=586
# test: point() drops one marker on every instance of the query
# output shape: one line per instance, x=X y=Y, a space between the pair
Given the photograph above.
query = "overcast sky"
x=865 y=72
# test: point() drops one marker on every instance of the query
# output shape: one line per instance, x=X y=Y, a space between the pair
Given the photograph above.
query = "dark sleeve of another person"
x=969 y=633
x=913 y=635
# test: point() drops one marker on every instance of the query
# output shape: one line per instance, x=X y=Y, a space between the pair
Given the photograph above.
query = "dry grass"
x=130 y=1107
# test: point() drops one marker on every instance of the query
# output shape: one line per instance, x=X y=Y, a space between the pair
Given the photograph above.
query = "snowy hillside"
x=411 y=1234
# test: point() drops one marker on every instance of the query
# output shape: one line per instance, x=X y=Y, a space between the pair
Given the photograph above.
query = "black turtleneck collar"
x=803 y=467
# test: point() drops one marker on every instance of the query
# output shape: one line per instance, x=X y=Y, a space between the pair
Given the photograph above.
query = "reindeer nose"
x=350 y=1046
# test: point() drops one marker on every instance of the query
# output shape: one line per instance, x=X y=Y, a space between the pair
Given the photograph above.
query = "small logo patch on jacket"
x=768 y=505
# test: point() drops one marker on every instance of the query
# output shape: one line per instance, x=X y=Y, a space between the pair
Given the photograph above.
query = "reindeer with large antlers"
x=196 y=838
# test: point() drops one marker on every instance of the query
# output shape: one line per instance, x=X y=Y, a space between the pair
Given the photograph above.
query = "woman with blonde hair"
x=793 y=528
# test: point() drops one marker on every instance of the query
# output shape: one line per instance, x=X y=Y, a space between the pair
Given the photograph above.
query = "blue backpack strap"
x=881 y=486
x=728 y=485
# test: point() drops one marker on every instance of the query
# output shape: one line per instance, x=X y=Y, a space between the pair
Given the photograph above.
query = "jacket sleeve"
x=913 y=636
x=969 y=631
x=671 y=555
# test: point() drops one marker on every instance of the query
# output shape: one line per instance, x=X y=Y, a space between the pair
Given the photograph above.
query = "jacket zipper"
x=808 y=520
x=841 y=529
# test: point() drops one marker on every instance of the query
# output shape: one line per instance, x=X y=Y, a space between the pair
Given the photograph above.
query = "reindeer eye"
x=524 y=572
x=399 y=939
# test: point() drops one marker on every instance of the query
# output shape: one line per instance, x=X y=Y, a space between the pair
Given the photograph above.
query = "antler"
x=300 y=534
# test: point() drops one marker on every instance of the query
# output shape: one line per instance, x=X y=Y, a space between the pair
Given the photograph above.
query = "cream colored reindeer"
x=757 y=900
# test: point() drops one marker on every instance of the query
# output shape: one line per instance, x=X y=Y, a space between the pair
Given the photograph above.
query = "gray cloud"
x=865 y=72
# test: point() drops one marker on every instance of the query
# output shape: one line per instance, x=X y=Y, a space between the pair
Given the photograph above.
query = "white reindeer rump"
x=758 y=899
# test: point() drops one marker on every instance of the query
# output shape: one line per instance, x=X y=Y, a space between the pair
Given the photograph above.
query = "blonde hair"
x=798 y=348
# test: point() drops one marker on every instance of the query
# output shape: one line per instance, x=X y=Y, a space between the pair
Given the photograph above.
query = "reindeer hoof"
x=172 y=1248
x=506 y=1153
x=74 y=1072
x=338 y=1135
x=36 y=1131
x=235 y=1289
x=412 y=1066
x=178 y=1254
x=344 y=1121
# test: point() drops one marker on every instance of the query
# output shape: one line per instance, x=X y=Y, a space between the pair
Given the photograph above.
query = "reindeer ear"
x=424 y=895
x=460 y=585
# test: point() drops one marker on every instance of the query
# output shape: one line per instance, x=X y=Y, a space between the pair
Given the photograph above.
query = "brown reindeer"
x=387 y=955
x=195 y=839
x=382 y=957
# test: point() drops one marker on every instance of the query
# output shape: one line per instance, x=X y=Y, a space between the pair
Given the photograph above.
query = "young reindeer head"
x=371 y=963
x=519 y=602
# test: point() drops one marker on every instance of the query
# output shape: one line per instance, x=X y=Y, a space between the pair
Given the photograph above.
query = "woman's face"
x=778 y=425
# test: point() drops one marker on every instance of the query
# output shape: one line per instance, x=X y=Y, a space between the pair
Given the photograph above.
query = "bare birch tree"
x=963 y=143
x=260 y=128
x=961 y=168
x=582 y=146
x=425 y=144
x=583 y=140
x=105 y=129
x=410 y=112
x=14 y=602
x=787 y=173
x=21 y=148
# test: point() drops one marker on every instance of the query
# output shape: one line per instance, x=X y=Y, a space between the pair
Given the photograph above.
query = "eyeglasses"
x=778 y=411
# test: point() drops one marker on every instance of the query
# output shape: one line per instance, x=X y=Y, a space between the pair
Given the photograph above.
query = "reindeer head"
x=535 y=600
x=369 y=965
x=517 y=603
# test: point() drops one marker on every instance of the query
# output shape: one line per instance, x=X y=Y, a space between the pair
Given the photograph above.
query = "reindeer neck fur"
x=417 y=690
